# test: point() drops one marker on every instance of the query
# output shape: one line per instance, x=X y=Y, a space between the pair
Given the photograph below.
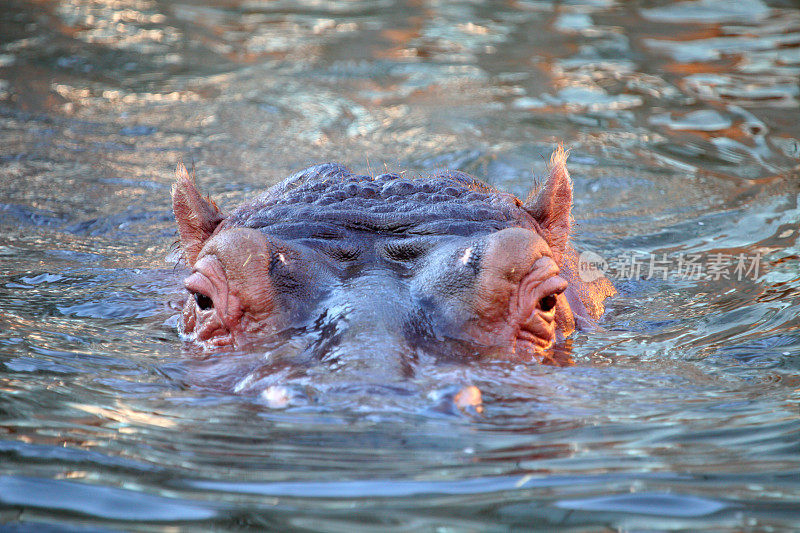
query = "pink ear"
x=552 y=206
x=197 y=217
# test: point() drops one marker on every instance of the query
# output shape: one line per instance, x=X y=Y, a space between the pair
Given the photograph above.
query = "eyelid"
x=407 y=249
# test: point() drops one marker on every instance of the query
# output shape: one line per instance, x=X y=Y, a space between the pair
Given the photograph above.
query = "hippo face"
x=444 y=263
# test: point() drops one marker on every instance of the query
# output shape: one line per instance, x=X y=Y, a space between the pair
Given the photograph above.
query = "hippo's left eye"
x=203 y=302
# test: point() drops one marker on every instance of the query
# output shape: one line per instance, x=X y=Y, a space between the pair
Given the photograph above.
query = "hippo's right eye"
x=203 y=302
x=405 y=251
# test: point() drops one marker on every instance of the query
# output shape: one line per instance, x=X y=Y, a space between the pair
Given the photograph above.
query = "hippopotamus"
x=442 y=263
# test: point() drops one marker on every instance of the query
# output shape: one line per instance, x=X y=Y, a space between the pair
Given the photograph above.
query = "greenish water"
x=683 y=413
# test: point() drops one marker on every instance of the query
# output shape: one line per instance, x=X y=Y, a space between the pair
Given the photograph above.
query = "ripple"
x=709 y=11
x=648 y=504
x=98 y=501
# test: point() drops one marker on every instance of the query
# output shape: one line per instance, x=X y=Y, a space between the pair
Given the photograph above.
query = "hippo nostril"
x=203 y=302
x=547 y=303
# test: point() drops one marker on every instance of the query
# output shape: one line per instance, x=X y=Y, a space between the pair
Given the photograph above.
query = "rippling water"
x=682 y=413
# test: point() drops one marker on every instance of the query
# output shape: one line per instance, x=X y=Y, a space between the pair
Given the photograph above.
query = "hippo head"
x=442 y=263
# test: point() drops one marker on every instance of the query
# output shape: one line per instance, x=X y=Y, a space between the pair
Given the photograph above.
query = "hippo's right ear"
x=197 y=217
x=551 y=207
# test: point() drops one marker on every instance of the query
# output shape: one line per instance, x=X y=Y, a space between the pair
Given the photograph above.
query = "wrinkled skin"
x=444 y=263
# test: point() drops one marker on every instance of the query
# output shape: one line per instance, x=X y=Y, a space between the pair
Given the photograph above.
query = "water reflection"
x=682 y=118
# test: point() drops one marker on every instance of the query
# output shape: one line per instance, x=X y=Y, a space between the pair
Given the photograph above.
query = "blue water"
x=681 y=413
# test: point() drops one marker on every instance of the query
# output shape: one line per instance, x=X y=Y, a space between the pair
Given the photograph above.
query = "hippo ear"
x=551 y=207
x=197 y=217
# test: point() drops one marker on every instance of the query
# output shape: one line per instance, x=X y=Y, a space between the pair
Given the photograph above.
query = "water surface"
x=683 y=413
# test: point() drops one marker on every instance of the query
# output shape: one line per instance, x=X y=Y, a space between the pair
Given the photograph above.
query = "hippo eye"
x=548 y=302
x=404 y=251
x=203 y=302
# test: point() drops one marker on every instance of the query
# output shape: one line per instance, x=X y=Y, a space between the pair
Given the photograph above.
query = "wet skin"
x=444 y=264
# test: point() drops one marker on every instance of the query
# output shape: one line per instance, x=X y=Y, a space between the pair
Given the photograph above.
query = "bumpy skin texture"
x=444 y=262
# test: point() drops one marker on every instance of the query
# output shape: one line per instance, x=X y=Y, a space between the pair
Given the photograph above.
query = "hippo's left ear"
x=197 y=217
x=551 y=207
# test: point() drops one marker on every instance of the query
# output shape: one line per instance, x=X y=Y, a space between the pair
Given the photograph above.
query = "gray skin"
x=443 y=264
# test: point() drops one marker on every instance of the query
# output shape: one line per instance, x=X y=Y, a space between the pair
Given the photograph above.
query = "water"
x=683 y=413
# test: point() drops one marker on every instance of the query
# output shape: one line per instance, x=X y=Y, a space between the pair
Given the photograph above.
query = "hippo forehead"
x=330 y=202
